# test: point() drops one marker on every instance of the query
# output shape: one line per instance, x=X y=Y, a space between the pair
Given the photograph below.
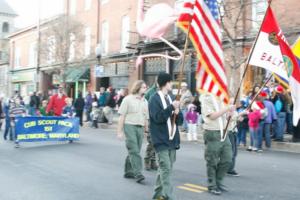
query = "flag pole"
x=258 y=92
x=245 y=70
x=182 y=68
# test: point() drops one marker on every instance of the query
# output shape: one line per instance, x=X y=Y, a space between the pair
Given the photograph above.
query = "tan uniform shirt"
x=208 y=107
x=135 y=110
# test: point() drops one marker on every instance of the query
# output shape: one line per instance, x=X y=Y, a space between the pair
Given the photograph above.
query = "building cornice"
x=32 y=27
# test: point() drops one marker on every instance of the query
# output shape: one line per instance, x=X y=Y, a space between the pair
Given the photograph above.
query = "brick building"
x=57 y=50
x=112 y=24
x=244 y=32
x=7 y=15
x=118 y=24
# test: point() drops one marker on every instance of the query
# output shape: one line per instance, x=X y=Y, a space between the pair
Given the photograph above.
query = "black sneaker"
x=139 y=178
x=129 y=175
x=215 y=191
x=233 y=173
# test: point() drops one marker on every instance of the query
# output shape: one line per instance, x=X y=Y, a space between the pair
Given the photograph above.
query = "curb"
x=285 y=146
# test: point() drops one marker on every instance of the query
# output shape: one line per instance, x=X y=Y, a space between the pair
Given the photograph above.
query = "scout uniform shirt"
x=210 y=104
x=135 y=110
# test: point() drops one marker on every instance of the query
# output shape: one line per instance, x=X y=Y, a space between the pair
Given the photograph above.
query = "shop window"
x=5 y=27
x=105 y=37
x=125 y=33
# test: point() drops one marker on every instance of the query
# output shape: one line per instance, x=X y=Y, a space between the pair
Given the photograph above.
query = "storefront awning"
x=75 y=74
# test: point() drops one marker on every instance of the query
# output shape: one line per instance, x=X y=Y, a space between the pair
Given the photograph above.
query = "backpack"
x=278 y=105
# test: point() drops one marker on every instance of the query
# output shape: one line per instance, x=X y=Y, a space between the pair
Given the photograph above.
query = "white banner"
x=268 y=55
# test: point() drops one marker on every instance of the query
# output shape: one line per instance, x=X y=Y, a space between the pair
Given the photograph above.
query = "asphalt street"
x=92 y=169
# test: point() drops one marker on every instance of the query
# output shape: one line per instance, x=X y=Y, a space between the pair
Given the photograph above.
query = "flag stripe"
x=215 y=60
x=203 y=82
x=209 y=21
x=212 y=22
x=205 y=34
x=215 y=72
x=211 y=35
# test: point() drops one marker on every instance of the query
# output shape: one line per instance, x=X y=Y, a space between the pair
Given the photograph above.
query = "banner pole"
x=181 y=69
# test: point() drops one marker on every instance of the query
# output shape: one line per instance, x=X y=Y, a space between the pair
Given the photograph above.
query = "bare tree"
x=238 y=33
x=62 y=43
x=234 y=24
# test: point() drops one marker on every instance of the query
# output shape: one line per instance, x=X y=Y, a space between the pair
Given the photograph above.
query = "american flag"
x=205 y=34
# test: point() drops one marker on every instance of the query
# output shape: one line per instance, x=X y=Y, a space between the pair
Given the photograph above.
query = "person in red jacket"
x=57 y=102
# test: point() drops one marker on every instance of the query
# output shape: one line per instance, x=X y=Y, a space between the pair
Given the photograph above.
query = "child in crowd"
x=95 y=114
x=254 y=118
x=192 y=119
x=18 y=110
x=68 y=110
x=42 y=109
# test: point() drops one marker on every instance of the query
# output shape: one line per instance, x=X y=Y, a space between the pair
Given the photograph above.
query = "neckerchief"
x=163 y=100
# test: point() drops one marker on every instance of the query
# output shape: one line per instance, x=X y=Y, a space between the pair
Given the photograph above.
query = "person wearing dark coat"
x=165 y=137
x=280 y=103
x=110 y=105
x=79 y=107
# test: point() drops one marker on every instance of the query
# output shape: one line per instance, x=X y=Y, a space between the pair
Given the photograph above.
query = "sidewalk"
x=286 y=146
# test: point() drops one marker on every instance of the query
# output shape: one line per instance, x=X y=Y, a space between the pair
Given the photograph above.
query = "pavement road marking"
x=193 y=188
x=196 y=186
x=189 y=189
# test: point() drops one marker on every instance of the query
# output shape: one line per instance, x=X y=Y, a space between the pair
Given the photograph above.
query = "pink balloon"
x=156 y=21
x=154 y=25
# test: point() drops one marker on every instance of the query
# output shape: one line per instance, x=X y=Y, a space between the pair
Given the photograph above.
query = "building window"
x=72 y=7
x=3 y=77
x=72 y=47
x=104 y=38
x=17 y=62
x=88 y=4
x=51 y=44
x=32 y=54
x=125 y=32
x=87 y=42
x=258 y=12
x=104 y=1
x=5 y=27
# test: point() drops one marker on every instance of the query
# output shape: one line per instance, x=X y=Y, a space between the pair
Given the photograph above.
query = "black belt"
x=138 y=125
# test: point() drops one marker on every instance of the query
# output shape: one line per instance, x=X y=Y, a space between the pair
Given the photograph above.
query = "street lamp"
x=98 y=52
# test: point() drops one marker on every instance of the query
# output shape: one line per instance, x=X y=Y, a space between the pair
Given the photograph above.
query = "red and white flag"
x=295 y=83
x=205 y=34
x=266 y=52
x=273 y=53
